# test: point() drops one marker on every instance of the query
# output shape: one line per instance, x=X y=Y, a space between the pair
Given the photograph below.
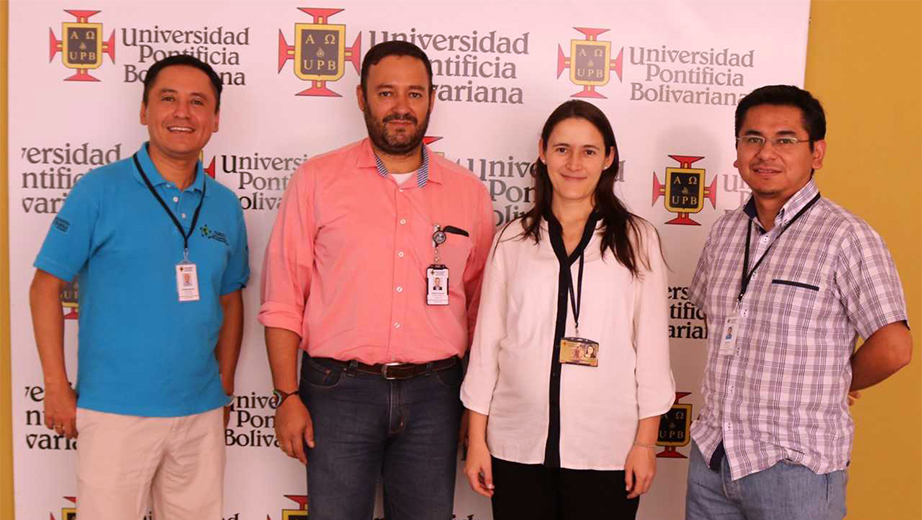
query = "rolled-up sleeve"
x=483 y=369
x=288 y=262
x=655 y=384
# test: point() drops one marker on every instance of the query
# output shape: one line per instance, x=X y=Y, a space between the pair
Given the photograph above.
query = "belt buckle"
x=384 y=368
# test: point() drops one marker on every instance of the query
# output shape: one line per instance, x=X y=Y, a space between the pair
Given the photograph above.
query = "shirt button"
x=400 y=289
x=400 y=254
x=764 y=239
x=175 y=199
x=403 y=221
x=397 y=325
x=183 y=215
x=744 y=313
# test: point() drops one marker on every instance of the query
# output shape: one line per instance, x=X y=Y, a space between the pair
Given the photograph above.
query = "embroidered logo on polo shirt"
x=60 y=224
x=213 y=235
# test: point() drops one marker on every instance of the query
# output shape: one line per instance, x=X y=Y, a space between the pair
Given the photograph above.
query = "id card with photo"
x=187 y=282
x=437 y=285
x=579 y=351
x=728 y=335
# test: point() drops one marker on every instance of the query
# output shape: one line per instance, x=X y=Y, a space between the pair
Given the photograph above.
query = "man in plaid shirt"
x=788 y=282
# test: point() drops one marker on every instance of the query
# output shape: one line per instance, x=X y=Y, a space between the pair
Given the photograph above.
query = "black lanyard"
x=575 y=300
x=747 y=274
x=185 y=236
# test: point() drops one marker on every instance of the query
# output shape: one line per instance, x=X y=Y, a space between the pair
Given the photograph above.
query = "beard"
x=395 y=143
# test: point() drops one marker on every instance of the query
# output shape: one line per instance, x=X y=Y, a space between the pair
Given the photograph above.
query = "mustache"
x=400 y=117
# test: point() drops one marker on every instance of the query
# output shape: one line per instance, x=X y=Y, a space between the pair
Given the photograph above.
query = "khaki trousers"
x=126 y=464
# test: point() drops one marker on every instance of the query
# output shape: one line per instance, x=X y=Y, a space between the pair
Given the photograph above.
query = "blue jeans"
x=366 y=426
x=784 y=491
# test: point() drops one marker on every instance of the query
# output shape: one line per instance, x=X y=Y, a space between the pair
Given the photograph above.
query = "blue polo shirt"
x=141 y=351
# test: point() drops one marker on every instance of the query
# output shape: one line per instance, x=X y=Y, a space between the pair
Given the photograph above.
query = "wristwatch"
x=279 y=396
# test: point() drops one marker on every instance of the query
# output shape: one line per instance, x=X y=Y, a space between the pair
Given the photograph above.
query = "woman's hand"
x=479 y=468
x=639 y=470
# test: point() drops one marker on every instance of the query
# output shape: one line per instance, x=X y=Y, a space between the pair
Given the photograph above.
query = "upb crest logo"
x=81 y=45
x=70 y=300
x=590 y=62
x=294 y=514
x=673 y=428
x=684 y=190
x=319 y=51
x=68 y=513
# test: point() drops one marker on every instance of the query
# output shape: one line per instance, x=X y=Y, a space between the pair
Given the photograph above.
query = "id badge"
x=437 y=284
x=579 y=351
x=187 y=282
x=728 y=335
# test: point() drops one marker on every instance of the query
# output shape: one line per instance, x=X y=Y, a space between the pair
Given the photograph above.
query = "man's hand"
x=639 y=470
x=61 y=410
x=479 y=468
x=294 y=428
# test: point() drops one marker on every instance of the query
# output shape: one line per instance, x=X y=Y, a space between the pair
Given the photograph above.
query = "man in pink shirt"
x=361 y=236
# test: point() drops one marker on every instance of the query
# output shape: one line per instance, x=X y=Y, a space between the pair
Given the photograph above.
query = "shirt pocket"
x=798 y=303
x=793 y=283
x=454 y=253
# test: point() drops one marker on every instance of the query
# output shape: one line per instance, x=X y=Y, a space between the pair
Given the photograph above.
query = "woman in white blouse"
x=555 y=434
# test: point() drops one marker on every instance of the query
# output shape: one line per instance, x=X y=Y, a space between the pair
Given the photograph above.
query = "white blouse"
x=508 y=377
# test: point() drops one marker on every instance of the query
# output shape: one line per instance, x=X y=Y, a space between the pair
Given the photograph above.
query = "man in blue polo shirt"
x=160 y=252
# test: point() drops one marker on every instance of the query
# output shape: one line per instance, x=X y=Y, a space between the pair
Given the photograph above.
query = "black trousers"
x=536 y=492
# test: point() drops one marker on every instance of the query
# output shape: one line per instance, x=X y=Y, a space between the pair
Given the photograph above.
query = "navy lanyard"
x=185 y=236
x=747 y=274
x=576 y=299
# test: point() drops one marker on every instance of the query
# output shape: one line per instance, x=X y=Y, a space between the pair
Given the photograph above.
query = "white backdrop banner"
x=667 y=74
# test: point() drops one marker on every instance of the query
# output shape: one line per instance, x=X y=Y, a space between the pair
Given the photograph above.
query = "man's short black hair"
x=813 y=116
x=393 y=48
x=189 y=61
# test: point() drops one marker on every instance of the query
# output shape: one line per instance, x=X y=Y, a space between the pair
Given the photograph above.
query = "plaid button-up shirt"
x=782 y=393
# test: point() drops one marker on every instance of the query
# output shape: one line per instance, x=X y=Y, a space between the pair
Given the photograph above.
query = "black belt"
x=394 y=371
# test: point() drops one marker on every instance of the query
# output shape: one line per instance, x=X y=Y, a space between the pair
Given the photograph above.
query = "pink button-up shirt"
x=345 y=267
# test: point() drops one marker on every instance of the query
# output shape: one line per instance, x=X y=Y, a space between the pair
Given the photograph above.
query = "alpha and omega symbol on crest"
x=684 y=190
x=81 y=45
x=673 y=428
x=590 y=62
x=319 y=52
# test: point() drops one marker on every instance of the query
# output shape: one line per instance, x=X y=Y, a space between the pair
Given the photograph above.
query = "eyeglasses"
x=756 y=142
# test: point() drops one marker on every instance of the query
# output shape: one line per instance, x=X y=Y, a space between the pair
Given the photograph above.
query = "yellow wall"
x=864 y=62
x=6 y=420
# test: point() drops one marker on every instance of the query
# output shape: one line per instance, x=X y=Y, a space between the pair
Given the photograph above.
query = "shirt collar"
x=425 y=173
x=154 y=175
x=791 y=207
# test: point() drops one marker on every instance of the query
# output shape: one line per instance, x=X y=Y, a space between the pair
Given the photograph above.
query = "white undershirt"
x=401 y=178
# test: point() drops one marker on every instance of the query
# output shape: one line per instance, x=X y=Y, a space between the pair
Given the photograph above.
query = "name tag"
x=579 y=351
x=728 y=336
x=437 y=285
x=187 y=282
